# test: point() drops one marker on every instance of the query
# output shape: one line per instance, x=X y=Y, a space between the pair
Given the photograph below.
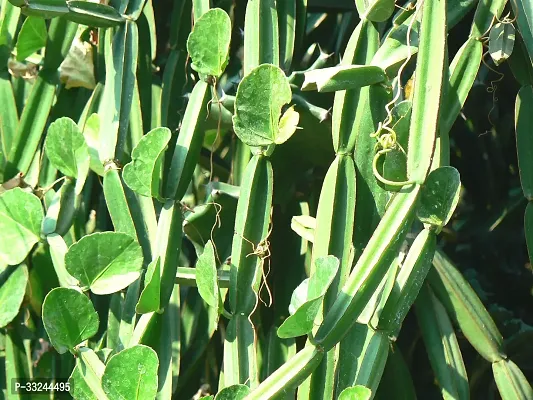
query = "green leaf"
x=13 y=281
x=94 y=14
x=21 y=215
x=375 y=10
x=67 y=151
x=233 y=392
x=342 y=77
x=143 y=173
x=260 y=97
x=501 y=42
x=69 y=318
x=105 y=262
x=32 y=37
x=356 y=393
x=149 y=299
x=287 y=125
x=131 y=374
x=206 y=276
x=439 y=196
x=307 y=298
x=208 y=43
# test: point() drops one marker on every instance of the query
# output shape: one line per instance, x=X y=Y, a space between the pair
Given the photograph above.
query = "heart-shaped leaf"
x=305 y=304
x=501 y=42
x=233 y=392
x=150 y=296
x=131 y=374
x=67 y=151
x=69 y=318
x=143 y=173
x=206 y=276
x=260 y=96
x=32 y=37
x=208 y=43
x=13 y=281
x=105 y=262
x=21 y=215
x=439 y=196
